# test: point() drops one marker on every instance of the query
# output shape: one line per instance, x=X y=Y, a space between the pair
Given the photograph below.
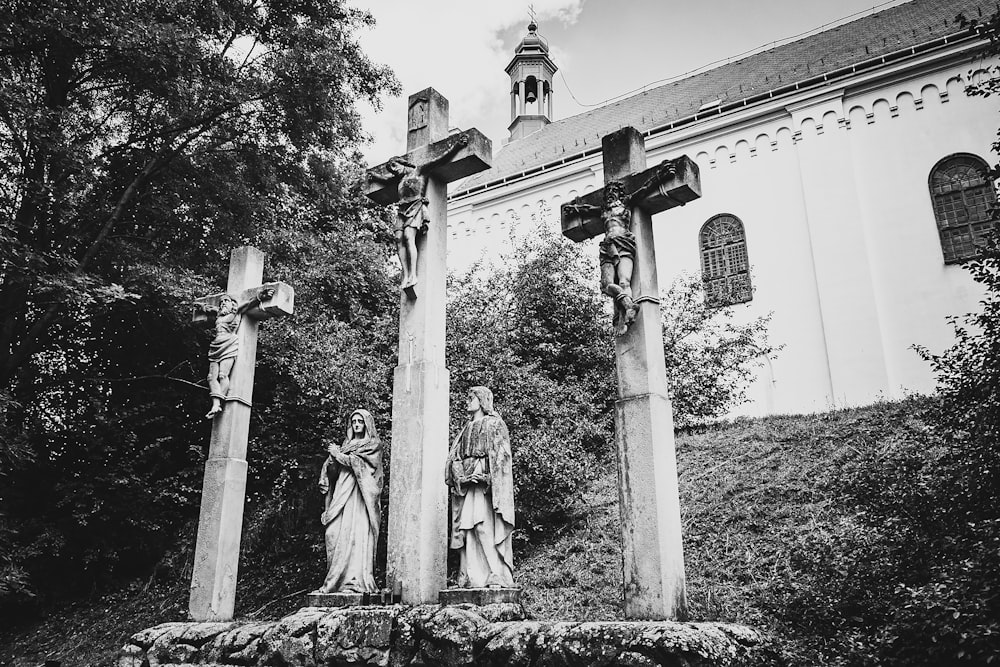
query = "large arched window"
x=963 y=196
x=725 y=268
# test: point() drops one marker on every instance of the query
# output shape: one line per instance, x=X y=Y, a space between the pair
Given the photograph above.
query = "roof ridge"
x=910 y=23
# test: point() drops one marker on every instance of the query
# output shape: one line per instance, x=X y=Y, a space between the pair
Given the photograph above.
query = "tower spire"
x=531 y=72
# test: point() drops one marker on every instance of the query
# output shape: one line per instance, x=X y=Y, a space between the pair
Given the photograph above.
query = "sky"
x=603 y=49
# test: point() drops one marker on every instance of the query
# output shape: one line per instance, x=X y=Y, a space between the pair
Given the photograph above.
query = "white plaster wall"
x=912 y=129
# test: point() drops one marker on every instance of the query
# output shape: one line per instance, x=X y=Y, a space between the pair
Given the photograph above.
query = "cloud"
x=456 y=47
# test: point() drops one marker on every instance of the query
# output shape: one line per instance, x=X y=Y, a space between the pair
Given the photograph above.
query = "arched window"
x=963 y=196
x=725 y=268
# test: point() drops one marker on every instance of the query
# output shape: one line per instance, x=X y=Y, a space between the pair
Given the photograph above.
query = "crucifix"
x=236 y=313
x=652 y=550
x=418 y=510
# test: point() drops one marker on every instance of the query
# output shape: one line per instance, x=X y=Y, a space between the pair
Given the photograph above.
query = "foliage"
x=139 y=143
x=710 y=356
x=527 y=330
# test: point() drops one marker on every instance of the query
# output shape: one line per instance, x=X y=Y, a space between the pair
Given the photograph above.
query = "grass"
x=749 y=489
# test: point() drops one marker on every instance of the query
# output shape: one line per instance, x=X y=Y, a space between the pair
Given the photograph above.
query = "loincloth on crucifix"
x=613 y=248
x=226 y=344
x=412 y=214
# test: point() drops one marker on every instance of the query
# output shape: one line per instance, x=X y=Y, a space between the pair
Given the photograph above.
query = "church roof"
x=899 y=30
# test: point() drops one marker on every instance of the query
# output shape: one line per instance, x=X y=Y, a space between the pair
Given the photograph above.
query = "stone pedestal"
x=480 y=596
x=331 y=600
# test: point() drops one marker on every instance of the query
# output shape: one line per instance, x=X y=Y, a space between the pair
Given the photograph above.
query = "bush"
x=907 y=572
x=709 y=356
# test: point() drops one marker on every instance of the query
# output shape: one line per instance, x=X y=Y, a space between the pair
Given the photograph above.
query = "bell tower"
x=531 y=73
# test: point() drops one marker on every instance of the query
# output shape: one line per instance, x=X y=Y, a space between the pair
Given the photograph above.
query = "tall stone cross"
x=653 y=554
x=220 y=524
x=418 y=510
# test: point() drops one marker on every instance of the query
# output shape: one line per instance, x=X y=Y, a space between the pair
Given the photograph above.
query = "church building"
x=843 y=184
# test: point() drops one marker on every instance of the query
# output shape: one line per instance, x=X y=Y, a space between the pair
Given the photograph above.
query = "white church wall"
x=896 y=150
x=762 y=187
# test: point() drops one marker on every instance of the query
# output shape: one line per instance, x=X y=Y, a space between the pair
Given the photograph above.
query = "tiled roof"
x=889 y=31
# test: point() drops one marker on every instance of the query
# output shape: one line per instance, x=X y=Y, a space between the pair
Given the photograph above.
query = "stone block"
x=291 y=641
x=471 y=159
x=349 y=599
x=480 y=596
x=356 y=636
x=448 y=637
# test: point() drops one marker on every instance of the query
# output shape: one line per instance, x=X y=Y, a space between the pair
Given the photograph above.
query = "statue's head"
x=614 y=194
x=480 y=398
x=228 y=304
x=361 y=424
x=398 y=165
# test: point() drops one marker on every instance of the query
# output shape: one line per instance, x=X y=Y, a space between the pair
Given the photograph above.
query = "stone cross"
x=220 y=523
x=418 y=509
x=653 y=555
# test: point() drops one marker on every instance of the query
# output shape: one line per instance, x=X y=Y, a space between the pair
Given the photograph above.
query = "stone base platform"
x=435 y=635
x=480 y=596
x=380 y=598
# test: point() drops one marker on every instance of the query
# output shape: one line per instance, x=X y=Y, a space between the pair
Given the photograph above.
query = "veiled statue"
x=351 y=482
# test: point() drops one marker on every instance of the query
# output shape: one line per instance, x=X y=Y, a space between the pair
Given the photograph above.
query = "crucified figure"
x=617 y=248
x=411 y=211
x=226 y=318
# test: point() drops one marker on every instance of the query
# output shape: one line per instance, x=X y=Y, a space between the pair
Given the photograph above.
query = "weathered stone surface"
x=448 y=636
x=237 y=646
x=145 y=638
x=181 y=643
x=292 y=640
x=434 y=635
x=334 y=599
x=480 y=596
x=499 y=612
x=131 y=656
x=355 y=636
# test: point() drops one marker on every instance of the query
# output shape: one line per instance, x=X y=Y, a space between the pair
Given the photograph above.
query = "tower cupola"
x=531 y=73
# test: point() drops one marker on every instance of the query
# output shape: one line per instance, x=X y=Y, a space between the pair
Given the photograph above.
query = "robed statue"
x=351 y=482
x=481 y=481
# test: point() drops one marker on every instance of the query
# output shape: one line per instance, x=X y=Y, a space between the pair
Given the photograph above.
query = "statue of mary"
x=351 y=481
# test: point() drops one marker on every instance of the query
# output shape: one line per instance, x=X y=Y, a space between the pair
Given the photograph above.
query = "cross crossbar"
x=667 y=185
x=281 y=303
x=470 y=159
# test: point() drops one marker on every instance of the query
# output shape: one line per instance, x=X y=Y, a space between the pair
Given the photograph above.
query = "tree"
x=112 y=113
x=139 y=143
x=535 y=328
x=710 y=356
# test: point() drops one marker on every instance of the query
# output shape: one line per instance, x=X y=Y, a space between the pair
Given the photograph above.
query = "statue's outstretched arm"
x=263 y=295
x=582 y=209
x=461 y=141
x=666 y=169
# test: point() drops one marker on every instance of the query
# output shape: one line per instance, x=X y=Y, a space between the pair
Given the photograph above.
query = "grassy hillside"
x=755 y=494
x=764 y=524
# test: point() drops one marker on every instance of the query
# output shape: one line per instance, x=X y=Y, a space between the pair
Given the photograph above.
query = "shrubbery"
x=710 y=357
x=907 y=572
x=535 y=328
